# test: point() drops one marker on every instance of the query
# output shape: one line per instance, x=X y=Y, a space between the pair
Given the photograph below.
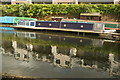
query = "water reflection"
x=91 y=57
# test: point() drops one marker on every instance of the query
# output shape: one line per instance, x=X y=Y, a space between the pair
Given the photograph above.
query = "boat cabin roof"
x=90 y=14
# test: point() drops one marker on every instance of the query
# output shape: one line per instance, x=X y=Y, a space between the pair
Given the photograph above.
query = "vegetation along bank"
x=43 y=11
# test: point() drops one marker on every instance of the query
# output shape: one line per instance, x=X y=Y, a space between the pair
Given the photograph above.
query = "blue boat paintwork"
x=65 y=25
x=7 y=19
x=6 y=28
x=49 y=24
x=70 y=25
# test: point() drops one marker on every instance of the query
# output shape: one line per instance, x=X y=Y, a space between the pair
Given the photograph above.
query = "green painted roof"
x=23 y=18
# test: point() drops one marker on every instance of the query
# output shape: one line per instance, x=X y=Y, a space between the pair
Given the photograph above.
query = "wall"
x=21 y=1
x=116 y=1
x=65 y=1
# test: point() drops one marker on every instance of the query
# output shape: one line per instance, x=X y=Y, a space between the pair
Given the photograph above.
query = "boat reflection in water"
x=84 y=54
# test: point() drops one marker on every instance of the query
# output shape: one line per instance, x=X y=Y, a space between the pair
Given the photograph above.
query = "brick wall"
x=21 y=1
x=116 y=1
x=65 y=1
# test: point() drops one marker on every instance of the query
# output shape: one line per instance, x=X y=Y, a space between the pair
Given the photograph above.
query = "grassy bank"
x=43 y=11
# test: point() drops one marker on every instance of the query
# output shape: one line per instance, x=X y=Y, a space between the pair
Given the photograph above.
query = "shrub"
x=42 y=10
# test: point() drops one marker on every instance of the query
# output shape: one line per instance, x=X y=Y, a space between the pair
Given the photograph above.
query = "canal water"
x=44 y=54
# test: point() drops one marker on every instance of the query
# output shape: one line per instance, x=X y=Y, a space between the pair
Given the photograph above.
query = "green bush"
x=42 y=10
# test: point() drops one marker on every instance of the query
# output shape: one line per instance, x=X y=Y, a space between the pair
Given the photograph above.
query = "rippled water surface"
x=52 y=55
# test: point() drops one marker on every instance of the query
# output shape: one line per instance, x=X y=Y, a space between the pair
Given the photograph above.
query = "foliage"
x=42 y=10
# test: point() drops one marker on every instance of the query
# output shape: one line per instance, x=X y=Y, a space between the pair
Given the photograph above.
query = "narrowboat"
x=57 y=24
x=107 y=25
x=62 y=26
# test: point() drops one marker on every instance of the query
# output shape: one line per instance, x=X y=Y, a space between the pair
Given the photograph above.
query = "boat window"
x=21 y=22
x=32 y=35
x=27 y=35
x=31 y=23
x=27 y=23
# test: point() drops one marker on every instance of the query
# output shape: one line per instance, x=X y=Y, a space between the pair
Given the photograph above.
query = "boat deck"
x=91 y=21
x=59 y=29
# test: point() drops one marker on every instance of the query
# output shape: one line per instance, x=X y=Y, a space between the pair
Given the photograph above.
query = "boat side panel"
x=81 y=26
x=47 y=24
x=65 y=25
